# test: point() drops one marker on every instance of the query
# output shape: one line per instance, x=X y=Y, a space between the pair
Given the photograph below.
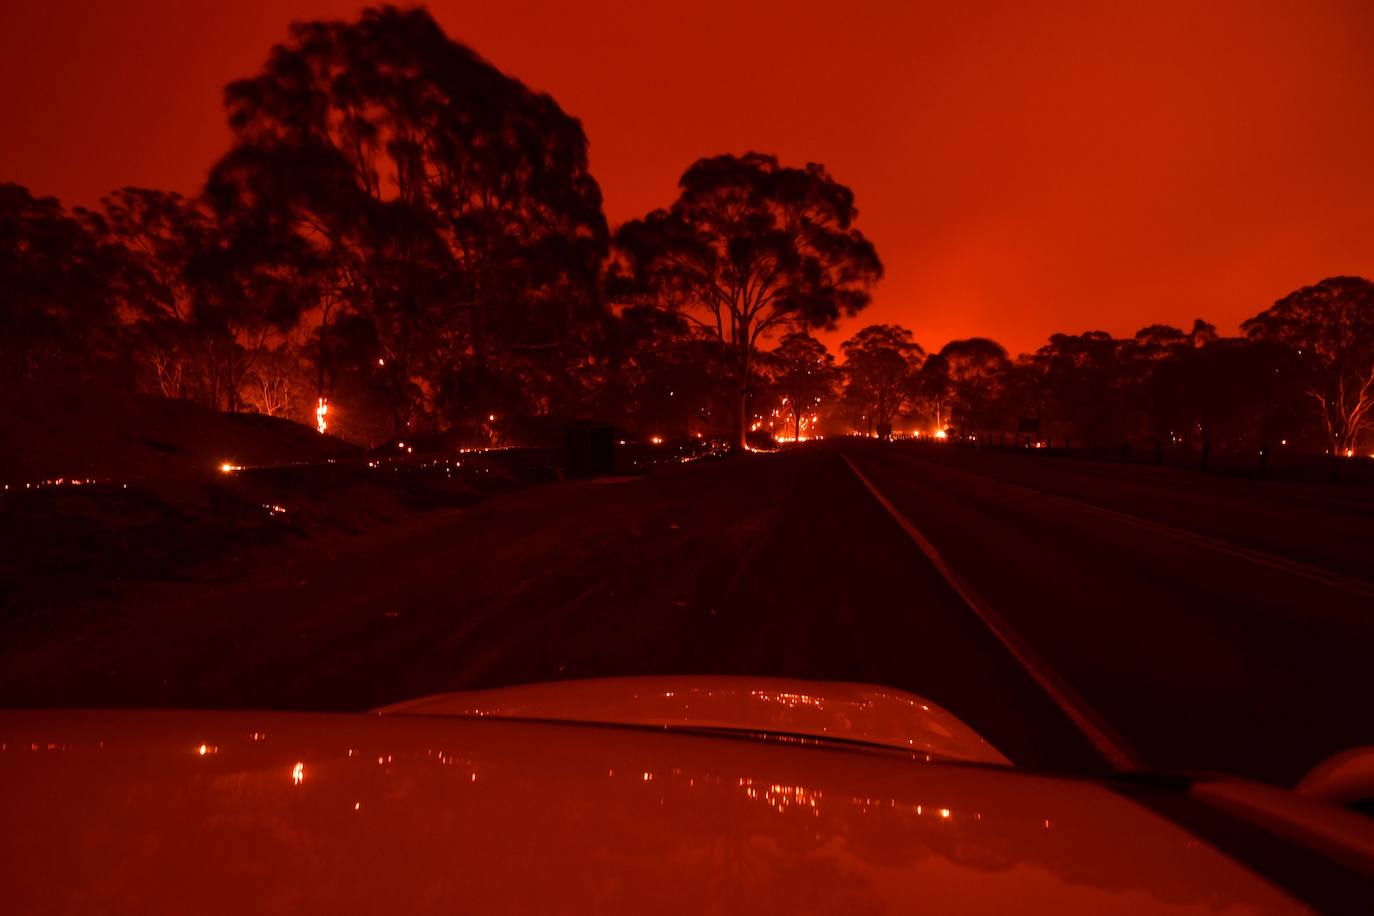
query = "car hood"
x=828 y=710
x=231 y=812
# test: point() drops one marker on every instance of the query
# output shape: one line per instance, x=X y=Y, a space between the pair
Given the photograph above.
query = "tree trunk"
x=231 y=387
x=739 y=438
x=741 y=431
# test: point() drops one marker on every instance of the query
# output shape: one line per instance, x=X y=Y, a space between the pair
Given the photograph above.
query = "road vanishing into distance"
x=1081 y=616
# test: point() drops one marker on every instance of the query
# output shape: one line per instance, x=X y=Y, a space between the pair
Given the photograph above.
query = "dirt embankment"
x=105 y=488
x=122 y=437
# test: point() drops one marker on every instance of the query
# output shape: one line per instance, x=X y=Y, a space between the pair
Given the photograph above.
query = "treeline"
x=401 y=239
x=1302 y=377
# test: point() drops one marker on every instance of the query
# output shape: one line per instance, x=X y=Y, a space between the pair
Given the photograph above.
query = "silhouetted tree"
x=803 y=378
x=1158 y=374
x=1330 y=328
x=164 y=232
x=748 y=248
x=453 y=204
x=879 y=362
x=973 y=369
x=1081 y=373
x=1021 y=392
x=63 y=283
x=1241 y=392
x=207 y=303
x=930 y=386
x=664 y=377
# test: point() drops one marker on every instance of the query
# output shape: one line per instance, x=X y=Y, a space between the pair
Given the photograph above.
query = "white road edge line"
x=1109 y=744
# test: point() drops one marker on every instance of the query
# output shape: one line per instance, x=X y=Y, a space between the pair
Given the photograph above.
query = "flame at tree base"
x=321 y=408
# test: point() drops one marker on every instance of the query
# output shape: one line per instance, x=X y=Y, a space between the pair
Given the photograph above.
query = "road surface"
x=1080 y=616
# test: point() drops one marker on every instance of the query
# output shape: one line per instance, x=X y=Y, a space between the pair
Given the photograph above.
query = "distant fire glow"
x=941 y=434
x=321 y=408
x=227 y=468
x=298 y=773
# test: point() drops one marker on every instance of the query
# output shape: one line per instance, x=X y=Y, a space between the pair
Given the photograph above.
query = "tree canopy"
x=880 y=362
x=62 y=287
x=749 y=247
x=1330 y=327
x=442 y=201
x=803 y=379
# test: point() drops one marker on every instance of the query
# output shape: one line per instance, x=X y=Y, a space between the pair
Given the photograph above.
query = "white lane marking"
x=1109 y=744
x=1258 y=557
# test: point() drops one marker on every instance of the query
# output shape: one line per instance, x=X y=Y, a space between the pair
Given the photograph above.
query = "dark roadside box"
x=588 y=449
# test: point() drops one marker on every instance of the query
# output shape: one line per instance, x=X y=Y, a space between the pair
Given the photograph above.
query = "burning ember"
x=321 y=408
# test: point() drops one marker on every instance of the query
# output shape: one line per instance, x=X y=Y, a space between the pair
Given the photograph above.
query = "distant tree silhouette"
x=879 y=362
x=63 y=283
x=1242 y=392
x=930 y=386
x=803 y=378
x=1330 y=328
x=208 y=305
x=974 y=369
x=1080 y=374
x=164 y=232
x=451 y=204
x=663 y=380
x=748 y=248
x=1157 y=377
x=1021 y=395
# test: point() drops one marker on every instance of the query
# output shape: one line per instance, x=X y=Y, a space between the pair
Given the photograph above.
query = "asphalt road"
x=1078 y=615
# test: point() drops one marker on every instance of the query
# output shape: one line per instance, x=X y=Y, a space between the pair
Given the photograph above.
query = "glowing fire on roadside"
x=941 y=434
x=227 y=468
x=321 y=408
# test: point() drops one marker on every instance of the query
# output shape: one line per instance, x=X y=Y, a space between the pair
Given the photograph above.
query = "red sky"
x=1021 y=171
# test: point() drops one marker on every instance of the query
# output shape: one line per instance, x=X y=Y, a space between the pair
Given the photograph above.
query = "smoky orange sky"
x=1022 y=169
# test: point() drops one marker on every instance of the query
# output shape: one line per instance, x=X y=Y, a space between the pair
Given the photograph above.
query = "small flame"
x=321 y=408
x=298 y=773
